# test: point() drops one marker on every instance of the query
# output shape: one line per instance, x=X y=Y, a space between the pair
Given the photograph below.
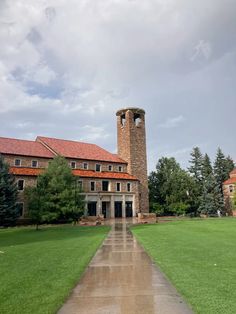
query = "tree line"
x=197 y=190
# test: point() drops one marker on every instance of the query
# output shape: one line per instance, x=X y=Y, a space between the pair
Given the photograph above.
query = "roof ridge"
x=17 y=139
x=66 y=140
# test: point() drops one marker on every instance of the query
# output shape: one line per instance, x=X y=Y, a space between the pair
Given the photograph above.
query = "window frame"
x=94 y=189
x=110 y=167
x=79 y=184
x=15 y=162
x=74 y=163
x=85 y=165
x=128 y=186
x=23 y=186
x=231 y=188
x=120 y=168
x=36 y=163
x=100 y=167
x=118 y=184
x=108 y=186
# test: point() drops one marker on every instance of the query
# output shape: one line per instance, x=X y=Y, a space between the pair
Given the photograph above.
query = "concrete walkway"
x=121 y=278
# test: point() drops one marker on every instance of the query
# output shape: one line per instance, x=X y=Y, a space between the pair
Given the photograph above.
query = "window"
x=20 y=209
x=98 y=167
x=20 y=185
x=118 y=186
x=110 y=167
x=128 y=187
x=17 y=162
x=92 y=186
x=105 y=185
x=73 y=164
x=85 y=165
x=231 y=188
x=34 y=163
x=137 y=119
x=120 y=168
x=80 y=184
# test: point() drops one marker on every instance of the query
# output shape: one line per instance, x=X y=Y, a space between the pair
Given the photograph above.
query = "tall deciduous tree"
x=171 y=188
x=8 y=196
x=57 y=194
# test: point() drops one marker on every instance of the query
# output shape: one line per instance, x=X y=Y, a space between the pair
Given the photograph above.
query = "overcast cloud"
x=67 y=66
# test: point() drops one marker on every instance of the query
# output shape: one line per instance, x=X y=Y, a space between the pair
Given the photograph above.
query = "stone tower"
x=131 y=136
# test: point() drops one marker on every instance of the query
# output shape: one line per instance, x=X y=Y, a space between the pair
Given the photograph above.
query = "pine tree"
x=222 y=169
x=206 y=167
x=8 y=196
x=229 y=165
x=196 y=164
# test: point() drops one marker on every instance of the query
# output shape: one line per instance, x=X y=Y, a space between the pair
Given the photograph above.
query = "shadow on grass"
x=15 y=236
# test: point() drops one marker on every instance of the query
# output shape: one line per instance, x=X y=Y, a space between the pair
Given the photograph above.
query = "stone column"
x=112 y=207
x=123 y=206
x=99 y=208
x=86 y=205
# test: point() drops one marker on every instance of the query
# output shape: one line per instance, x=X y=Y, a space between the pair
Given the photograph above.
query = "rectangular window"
x=128 y=187
x=92 y=186
x=105 y=185
x=34 y=163
x=231 y=188
x=120 y=168
x=17 y=162
x=80 y=184
x=98 y=167
x=73 y=164
x=118 y=186
x=20 y=209
x=85 y=165
x=20 y=185
x=110 y=167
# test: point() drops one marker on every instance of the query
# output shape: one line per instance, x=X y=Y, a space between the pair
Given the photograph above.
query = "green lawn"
x=199 y=257
x=38 y=269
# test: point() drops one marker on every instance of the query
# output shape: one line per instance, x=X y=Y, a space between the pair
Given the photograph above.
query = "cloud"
x=202 y=50
x=172 y=122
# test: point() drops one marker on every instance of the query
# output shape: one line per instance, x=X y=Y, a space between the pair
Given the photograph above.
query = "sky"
x=67 y=66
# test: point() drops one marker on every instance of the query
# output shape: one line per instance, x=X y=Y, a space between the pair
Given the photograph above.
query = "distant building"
x=114 y=185
x=229 y=188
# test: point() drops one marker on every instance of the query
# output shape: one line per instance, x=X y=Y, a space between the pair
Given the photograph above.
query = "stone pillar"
x=123 y=206
x=112 y=207
x=99 y=207
x=86 y=205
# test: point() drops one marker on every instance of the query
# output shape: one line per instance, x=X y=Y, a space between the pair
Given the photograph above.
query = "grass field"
x=199 y=258
x=38 y=269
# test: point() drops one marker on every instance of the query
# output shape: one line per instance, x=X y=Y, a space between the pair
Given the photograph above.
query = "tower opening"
x=137 y=119
x=122 y=119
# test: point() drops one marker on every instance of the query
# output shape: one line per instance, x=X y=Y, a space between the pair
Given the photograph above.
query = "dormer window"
x=110 y=167
x=73 y=165
x=98 y=168
x=120 y=168
x=17 y=162
x=34 y=163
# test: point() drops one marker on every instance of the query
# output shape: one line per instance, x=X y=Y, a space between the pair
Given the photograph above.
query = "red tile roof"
x=230 y=181
x=103 y=175
x=77 y=172
x=23 y=148
x=233 y=172
x=79 y=150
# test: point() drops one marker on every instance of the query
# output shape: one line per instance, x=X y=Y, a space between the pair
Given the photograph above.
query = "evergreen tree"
x=196 y=165
x=211 y=199
x=8 y=196
x=56 y=195
x=206 y=167
x=222 y=168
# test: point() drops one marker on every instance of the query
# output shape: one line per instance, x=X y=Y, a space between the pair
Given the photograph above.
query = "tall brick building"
x=114 y=185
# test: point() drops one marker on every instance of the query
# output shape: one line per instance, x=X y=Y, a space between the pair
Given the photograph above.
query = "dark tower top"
x=131 y=137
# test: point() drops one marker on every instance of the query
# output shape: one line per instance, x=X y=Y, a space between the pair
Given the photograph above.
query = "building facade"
x=229 y=189
x=114 y=185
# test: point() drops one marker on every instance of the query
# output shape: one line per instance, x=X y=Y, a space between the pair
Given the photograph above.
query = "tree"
x=56 y=195
x=196 y=165
x=206 y=167
x=222 y=168
x=171 y=188
x=211 y=199
x=8 y=196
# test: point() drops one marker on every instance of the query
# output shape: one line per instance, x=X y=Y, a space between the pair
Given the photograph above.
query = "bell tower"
x=131 y=137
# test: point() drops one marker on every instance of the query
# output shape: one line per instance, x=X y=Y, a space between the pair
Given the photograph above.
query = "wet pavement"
x=121 y=278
